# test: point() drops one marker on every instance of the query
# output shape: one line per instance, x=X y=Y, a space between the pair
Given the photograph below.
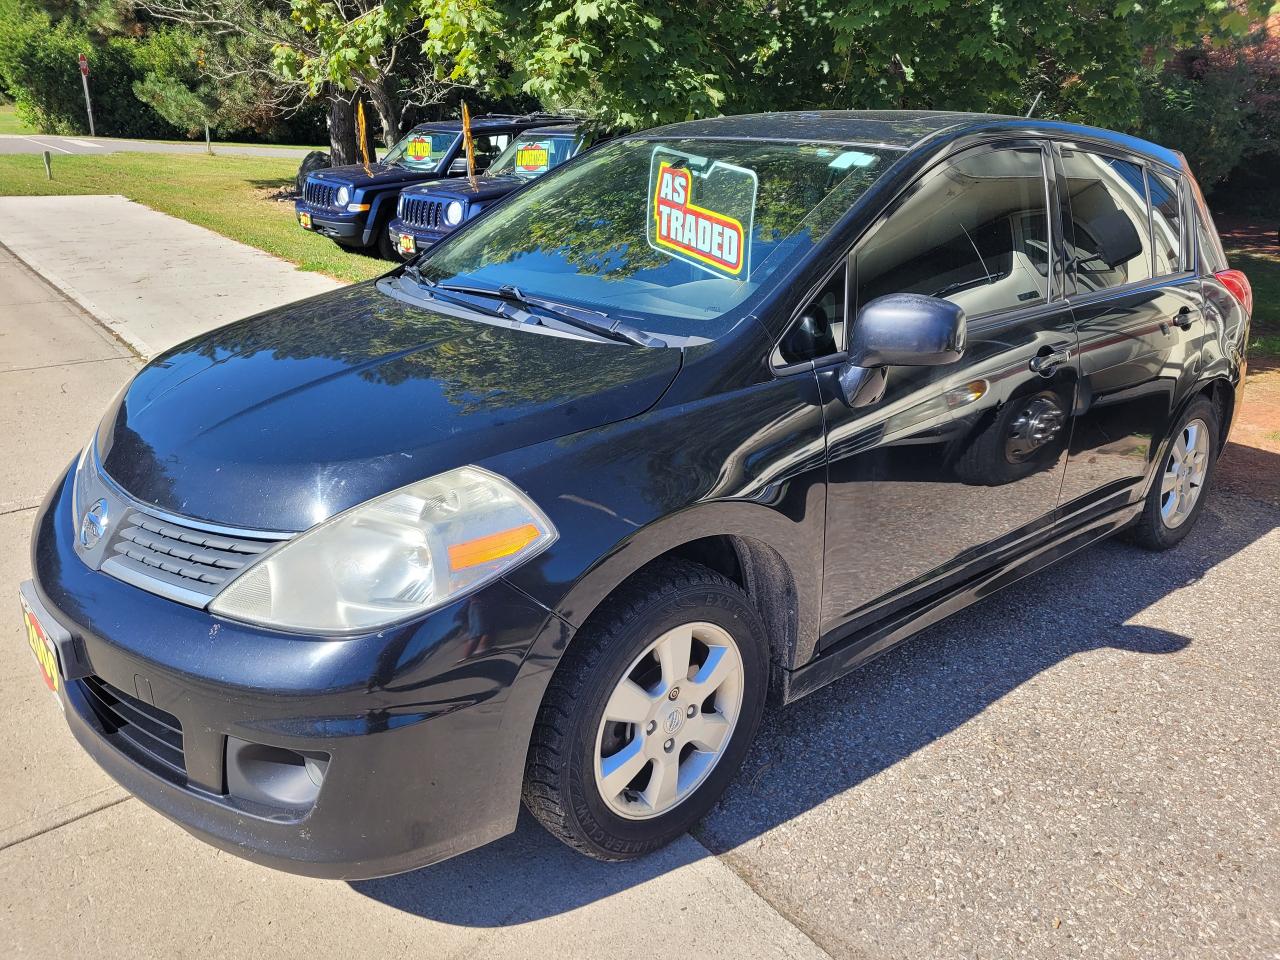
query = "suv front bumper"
x=425 y=726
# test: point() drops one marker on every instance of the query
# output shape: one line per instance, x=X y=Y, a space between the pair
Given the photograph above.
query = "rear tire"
x=641 y=730
x=1181 y=485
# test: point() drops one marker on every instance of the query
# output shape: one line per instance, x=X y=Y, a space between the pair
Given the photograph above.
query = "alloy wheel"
x=668 y=721
x=1184 y=474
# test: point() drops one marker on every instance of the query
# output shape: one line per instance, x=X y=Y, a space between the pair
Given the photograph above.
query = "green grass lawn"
x=229 y=195
x=9 y=121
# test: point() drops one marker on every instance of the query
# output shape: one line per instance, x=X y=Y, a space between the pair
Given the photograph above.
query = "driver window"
x=974 y=232
x=819 y=329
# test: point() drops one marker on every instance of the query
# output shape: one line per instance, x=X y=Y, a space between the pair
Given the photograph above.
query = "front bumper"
x=410 y=241
x=425 y=726
x=335 y=226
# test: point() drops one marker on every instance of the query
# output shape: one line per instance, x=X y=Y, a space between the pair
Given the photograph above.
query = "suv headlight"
x=344 y=196
x=453 y=213
x=393 y=557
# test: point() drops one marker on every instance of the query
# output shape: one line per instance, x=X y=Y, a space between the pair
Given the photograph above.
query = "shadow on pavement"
x=833 y=740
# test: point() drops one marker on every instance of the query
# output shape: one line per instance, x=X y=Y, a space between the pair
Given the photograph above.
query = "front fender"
x=748 y=463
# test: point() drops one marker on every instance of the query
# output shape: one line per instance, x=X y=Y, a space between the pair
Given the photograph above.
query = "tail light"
x=1236 y=282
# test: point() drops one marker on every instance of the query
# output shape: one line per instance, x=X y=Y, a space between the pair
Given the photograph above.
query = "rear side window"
x=1109 y=243
x=974 y=232
x=1166 y=222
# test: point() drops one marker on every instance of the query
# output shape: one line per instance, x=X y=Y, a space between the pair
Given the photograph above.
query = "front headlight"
x=453 y=213
x=344 y=196
x=392 y=558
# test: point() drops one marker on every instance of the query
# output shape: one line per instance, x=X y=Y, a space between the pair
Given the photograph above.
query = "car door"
x=953 y=467
x=1138 y=309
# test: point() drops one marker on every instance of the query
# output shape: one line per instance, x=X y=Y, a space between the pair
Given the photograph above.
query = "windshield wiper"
x=582 y=319
x=438 y=291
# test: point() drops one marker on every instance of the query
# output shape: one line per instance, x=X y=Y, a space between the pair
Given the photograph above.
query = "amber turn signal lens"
x=495 y=546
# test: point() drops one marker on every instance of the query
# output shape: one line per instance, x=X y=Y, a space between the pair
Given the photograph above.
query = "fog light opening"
x=274 y=776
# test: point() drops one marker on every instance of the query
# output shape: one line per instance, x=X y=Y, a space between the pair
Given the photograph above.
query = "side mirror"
x=908 y=330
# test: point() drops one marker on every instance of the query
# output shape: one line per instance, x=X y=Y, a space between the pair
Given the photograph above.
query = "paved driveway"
x=1084 y=765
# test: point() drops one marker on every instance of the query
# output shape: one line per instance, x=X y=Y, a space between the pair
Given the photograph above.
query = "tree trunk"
x=342 y=131
x=388 y=111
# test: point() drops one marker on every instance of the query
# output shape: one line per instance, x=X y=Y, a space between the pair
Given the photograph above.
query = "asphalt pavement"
x=57 y=145
x=1085 y=765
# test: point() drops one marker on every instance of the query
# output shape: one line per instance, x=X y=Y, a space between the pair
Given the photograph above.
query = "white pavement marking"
x=152 y=279
x=51 y=146
x=82 y=143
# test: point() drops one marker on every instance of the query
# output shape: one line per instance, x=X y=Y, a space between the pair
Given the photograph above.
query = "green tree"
x=641 y=62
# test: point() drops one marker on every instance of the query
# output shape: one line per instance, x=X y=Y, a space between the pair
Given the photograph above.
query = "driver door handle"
x=1046 y=363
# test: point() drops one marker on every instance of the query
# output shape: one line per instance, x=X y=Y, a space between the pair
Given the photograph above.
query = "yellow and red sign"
x=41 y=648
x=419 y=148
x=708 y=238
x=532 y=157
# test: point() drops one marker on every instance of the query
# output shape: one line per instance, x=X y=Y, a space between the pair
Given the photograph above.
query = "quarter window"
x=1166 y=222
x=819 y=330
x=974 y=232
x=1109 y=243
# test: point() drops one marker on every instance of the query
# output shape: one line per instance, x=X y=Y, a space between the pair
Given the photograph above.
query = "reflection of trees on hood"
x=597 y=222
x=389 y=342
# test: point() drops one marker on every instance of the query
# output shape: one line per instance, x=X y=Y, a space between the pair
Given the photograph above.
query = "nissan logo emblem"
x=93 y=527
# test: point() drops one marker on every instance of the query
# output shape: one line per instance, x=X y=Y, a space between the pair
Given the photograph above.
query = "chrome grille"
x=181 y=562
x=422 y=212
x=320 y=194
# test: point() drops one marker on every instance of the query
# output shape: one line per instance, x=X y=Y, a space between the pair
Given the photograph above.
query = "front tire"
x=1181 y=485
x=650 y=713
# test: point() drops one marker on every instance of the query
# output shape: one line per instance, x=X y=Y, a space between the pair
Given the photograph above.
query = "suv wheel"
x=1177 y=496
x=649 y=715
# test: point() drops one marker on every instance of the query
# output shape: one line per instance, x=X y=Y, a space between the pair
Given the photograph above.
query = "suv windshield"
x=531 y=155
x=420 y=150
x=673 y=233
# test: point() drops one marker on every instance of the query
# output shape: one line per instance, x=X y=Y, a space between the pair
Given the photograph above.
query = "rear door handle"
x=1045 y=363
x=1184 y=319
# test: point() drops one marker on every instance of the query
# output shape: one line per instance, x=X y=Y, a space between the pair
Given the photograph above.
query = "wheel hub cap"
x=668 y=720
x=1184 y=474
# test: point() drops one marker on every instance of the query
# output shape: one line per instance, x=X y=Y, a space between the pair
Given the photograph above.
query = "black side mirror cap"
x=908 y=330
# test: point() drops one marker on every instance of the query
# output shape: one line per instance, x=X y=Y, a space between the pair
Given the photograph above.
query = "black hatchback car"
x=708 y=416
x=426 y=213
x=352 y=205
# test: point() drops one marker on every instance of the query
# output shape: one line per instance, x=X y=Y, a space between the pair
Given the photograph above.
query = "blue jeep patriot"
x=352 y=205
x=428 y=212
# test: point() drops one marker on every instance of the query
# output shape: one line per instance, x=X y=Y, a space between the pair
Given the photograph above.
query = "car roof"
x=487 y=121
x=901 y=129
x=559 y=129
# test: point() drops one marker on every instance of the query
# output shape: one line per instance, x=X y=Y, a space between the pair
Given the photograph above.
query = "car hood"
x=486 y=188
x=379 y=173
x=284 y=419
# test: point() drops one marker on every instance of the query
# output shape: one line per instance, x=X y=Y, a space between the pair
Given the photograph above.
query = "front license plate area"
x=406 y=243
x=42 y=648
x=305 y=220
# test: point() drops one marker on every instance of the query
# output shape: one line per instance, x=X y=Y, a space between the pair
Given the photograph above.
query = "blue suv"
x=352 y=205
x=428 y=212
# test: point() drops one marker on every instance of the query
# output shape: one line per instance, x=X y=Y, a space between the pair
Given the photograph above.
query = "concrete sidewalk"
x=86 y=869
x=152 y=279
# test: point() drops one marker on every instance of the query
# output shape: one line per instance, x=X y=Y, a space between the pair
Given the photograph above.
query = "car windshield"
x=674 y=234
x=420 y=150
x=531 y=155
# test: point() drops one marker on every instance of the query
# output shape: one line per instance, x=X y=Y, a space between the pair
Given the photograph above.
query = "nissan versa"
x=707 y=416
